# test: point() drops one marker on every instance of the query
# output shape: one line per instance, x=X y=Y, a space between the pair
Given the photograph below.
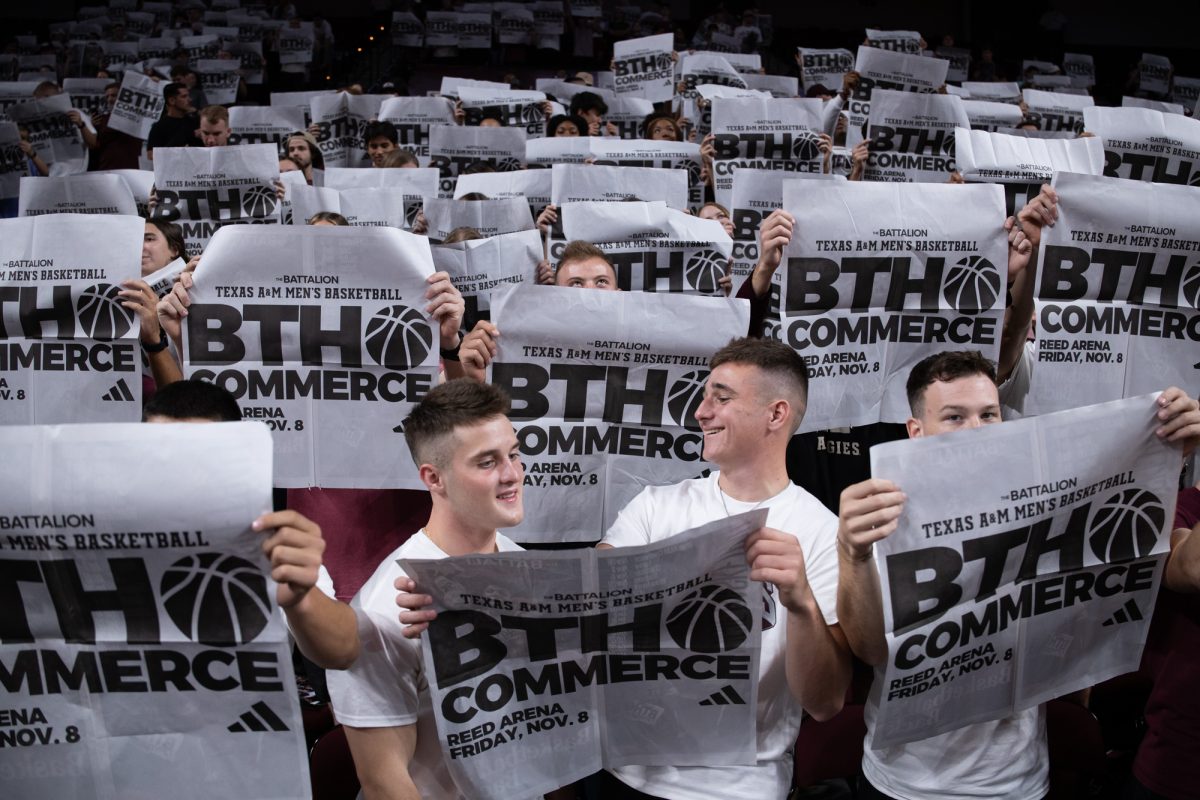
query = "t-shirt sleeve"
x=633 y=523
x=821 y=564
x=382 y=688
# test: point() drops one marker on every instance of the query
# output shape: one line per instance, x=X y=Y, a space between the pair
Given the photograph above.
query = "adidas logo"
x=259 y=718
x=119 y=392
x=1126 y=613
x=726 y=697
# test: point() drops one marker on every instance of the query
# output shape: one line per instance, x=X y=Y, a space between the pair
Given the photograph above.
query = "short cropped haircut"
x=172 y=89
x=380 y=128
x=173 y=234
x=192 y=399
x=780 y=365
x=588 y=101
x=400 y=158
x=579 y=250
x=945 y=367
x=454 y=404
x=215 y=114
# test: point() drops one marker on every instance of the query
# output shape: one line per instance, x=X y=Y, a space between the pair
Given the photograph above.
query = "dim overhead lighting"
x=370 y=38
x=359 y=49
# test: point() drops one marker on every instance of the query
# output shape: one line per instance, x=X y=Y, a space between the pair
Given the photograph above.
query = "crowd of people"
x=334 y=552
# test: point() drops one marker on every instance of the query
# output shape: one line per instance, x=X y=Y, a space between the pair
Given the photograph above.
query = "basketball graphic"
x=508 y=165
x=702 y=270
x=100 y=313
x=972 y=285
x=1126 y=525
x=259 y=201
x=214 y=599
x=693 y=168
x=948 y=144
x=398 y=337
x=712 y=619
x=684 y=398
x=410 y=212
x=805 y=147
x=1191 y=286
x=1195 y=179
x=532 y=114
x=769 y=612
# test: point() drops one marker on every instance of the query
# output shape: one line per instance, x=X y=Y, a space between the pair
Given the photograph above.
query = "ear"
x=780 y=412
x=915 y=430
x=433 y=478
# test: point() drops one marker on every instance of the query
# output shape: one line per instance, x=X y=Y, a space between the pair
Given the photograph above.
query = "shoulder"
x=378 y=593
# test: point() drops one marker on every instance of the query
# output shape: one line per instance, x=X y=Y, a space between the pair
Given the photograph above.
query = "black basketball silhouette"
x=100 y=313
x=1195 y=179
x=216 y=599
x=532 y=113
x=398 y=337
x=410 y=212
x=685 y=396
x=703 y=269
x=806 y=146
x=259 y=202
x=1126 y=525
x=1191 y=286
x=972 y=285
x=663 y=61
x=693 y=168
x=948 y=144
x=712 y=619
x=508 y=165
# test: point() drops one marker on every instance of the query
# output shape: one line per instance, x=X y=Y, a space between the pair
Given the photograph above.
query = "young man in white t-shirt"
x=1007 y=758
x=466 y=451
x=753 y=402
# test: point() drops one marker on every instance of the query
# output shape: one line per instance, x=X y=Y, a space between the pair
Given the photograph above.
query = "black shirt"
x=174 y=132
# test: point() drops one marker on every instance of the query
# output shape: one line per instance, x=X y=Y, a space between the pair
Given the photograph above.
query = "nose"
x=511 y=472
x=704 y=410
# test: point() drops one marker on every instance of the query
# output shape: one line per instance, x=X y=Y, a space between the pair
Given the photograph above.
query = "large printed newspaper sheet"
x=88 y=193
x=1021 y=164
x=912 y=136
x=68 y=348
x=1146 y=145
x=264 y=124
x=604 y=388
x=579 y=696
x=1025 y=565
x=645 y=67
x=342 y=118
x=412 y=117
x=53 y=136
x=143 y=653
x=878 y=276
x=139 y=105
x=1118 y=292
x=824 y=67
x=321 y=332
x=764 y=133
x=478 y=266
x=453 y=148
x=884 y=69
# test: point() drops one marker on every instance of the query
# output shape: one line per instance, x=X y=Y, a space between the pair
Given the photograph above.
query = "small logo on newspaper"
x=664 y=61
x=1126 y=613
x=712 y=619
x=100 y=313
x=726 y=697
x=532 y=114
x=1191 y=284
x=703 y=269
x=693 y=168
x=398 y=337
x=1126 y=526
x=259 y=201
x=118 y=393
x=411 y=210
x=685 y=396
x=216 y=599
x=508 y=165
x=259 y=719
x=972 y=285
x=806 y=147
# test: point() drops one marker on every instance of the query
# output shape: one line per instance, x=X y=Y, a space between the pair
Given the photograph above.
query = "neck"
x=175 y=112
x=759 y=480
x=454 y=537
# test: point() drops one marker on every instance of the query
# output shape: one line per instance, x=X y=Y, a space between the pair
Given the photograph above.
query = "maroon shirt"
x=1167 y=762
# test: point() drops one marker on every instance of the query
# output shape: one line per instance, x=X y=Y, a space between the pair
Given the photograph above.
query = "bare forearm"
x=164 y=368
x=860 y=609
x=325 y=630
x=1012 y=339
x=818 y=664
x=1183 y=567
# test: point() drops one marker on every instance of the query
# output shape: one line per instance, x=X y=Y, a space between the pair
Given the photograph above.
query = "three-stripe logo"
x=118 y=393
x=728 y=696
x=259 y=719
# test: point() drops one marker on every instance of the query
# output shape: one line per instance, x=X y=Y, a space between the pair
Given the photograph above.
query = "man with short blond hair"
x=214 y=126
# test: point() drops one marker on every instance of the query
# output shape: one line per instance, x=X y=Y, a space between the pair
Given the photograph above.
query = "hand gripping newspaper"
x=143 y=652
x=321 y=332
x=544 y=668
x=1025 y=566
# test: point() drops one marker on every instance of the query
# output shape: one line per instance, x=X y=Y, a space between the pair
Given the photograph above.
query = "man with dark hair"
x=177 y=126
x=947 y=392
x=379 y=139
x=591 y=108
x=191 y=401
x=182 y=73
x=754 y=400
x=466 y=452
x=303 y=149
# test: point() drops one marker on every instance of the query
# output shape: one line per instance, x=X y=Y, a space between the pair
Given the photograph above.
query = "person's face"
x=586 y=273
x=712 y=212
x=214 y=134
x=567 y=128
x=323 y=223
x=483 y=479
x=968 y=402
x=287 y=165
x=591 y=116
x=156 y=253
x=662 y=130
x=298 y=150
x=488 y=122
x=182 y=101
x=110 y=97
x=379 y=147
x=733 y=416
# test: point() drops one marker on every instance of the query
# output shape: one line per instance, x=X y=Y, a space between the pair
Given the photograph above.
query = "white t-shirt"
x=1003 y=758
x=1015 y=388
x=387 y=686
x=660 y=512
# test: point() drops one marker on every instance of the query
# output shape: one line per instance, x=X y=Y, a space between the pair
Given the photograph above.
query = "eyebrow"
x=723 y=388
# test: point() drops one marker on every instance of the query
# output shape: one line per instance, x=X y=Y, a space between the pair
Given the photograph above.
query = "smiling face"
x=967 y=402
x=156 y=251
x=379 y=147
x=734 y=416
x=483 y=476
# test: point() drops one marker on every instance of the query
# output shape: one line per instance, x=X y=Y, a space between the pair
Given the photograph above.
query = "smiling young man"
x=1007 y=758
x=466 y=451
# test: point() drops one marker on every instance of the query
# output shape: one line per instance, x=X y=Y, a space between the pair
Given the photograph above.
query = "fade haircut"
x=784 y=373
x=429 y=429
x=192 y=399
x=944 y=367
